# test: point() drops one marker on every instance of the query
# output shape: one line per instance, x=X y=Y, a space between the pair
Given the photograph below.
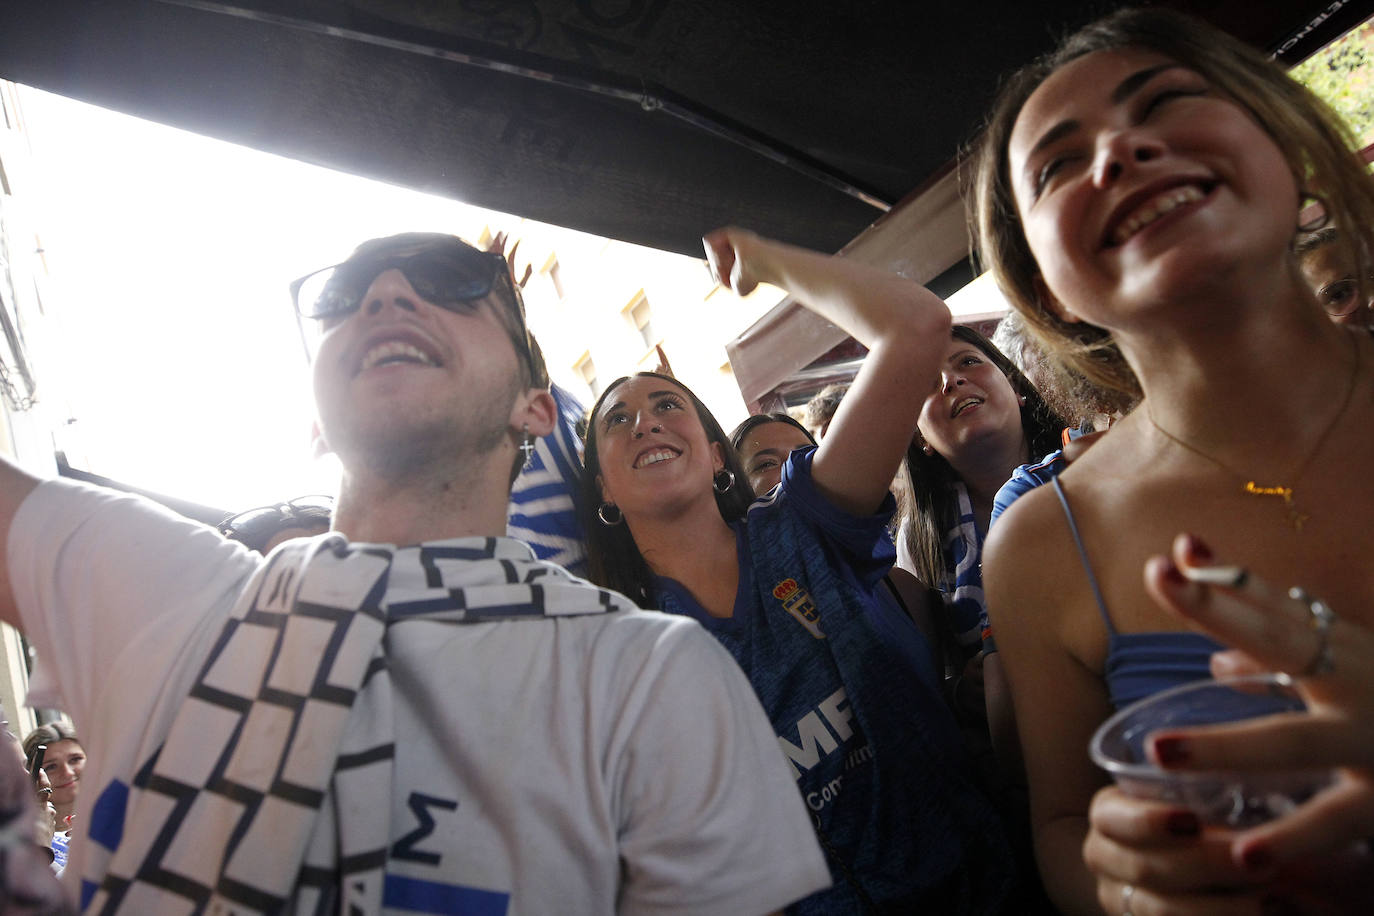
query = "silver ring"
x=1322 y=618
x=1127 y=892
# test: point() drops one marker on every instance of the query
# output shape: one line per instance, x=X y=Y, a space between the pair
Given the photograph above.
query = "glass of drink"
x=1233 y=799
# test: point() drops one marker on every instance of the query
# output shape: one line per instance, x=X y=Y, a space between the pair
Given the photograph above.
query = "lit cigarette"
x=1227 y=576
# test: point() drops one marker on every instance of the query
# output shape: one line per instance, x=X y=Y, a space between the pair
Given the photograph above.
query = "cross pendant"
x=527 y=447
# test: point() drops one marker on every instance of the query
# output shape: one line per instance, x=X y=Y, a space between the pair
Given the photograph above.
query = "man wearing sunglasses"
x=410 y=713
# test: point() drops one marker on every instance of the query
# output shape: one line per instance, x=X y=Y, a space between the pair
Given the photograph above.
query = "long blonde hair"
x=1316 y=145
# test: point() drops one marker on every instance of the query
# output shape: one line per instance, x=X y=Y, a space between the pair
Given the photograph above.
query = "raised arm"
x=14 y=486
x=905 y=327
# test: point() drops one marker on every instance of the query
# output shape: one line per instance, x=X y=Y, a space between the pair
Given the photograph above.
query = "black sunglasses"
x=255 y=527
x=445 y=274
x=450 y=274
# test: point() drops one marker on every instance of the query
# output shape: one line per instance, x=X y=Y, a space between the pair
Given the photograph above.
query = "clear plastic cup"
x=1233 y=799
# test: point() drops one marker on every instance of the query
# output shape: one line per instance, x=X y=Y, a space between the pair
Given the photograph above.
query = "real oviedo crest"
x=797 y=602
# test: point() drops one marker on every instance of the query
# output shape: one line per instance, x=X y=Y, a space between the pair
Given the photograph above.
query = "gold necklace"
x=1295 y=517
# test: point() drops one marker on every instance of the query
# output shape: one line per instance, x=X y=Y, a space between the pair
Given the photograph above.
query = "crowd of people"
x=778 y=687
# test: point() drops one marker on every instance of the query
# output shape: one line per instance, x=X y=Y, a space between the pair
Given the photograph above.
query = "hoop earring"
x=729 y=480
x=601 y=513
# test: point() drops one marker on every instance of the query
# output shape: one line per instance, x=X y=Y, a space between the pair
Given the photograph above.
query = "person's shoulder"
x=798 y=495
x=646 y=646
x=641 y=623
x=609 y=627
x=795 y=480
x=1029 y=549
x=1118 y=477
x=601 y=614
x=647 y=630
x=1028 y=519
x=1026 y=478
x=57 y=507
x=62 y=514
x=58 y=494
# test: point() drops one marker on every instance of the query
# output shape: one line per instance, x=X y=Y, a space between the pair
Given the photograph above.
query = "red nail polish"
x=1183 y=823
x=1197 y=551
x=1173 y=576
x=1257 y=858
x=1171 y=751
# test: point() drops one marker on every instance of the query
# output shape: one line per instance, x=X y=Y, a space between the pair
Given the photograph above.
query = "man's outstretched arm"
x=15 y=484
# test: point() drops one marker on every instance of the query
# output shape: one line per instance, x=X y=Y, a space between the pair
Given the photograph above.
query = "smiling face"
x=1138 y=183
x=63 y=762
x=401 y=381
x=651 y=448
x=975 y=405
x=763 y=450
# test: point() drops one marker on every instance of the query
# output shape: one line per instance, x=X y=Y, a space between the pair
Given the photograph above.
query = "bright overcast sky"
x=169 y=255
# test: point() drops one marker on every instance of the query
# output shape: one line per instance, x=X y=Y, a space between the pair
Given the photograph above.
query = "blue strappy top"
x=1140 y=664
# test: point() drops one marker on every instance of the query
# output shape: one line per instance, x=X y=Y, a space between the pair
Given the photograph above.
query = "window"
x=585 y=368
x=555 y=277
x=639 y=315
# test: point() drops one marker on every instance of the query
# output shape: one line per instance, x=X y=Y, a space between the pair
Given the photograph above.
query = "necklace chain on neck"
x=1295 y=517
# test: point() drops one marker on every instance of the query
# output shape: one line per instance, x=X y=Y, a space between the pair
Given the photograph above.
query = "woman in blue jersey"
x=790 y=587
x=1138 y=194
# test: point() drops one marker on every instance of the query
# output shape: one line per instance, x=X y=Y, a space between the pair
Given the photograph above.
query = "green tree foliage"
x=1342 y=75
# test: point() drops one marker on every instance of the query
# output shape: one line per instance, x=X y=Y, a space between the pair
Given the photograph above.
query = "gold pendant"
x=1295 y=518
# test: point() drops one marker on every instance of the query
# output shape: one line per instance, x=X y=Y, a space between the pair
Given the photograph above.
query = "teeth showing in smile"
x=964 y=405
x=1154 y=209
x=395 y=351
x=655 y=457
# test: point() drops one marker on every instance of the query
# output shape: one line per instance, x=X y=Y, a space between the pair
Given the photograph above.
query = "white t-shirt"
x=606 y=763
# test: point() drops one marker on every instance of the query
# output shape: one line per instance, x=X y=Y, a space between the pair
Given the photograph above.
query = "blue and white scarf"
x=272 y=791
x=962 y=583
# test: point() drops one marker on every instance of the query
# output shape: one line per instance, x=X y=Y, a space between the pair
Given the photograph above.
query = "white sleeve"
x=904 y=558
x=710 y=817
x=93 y=569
